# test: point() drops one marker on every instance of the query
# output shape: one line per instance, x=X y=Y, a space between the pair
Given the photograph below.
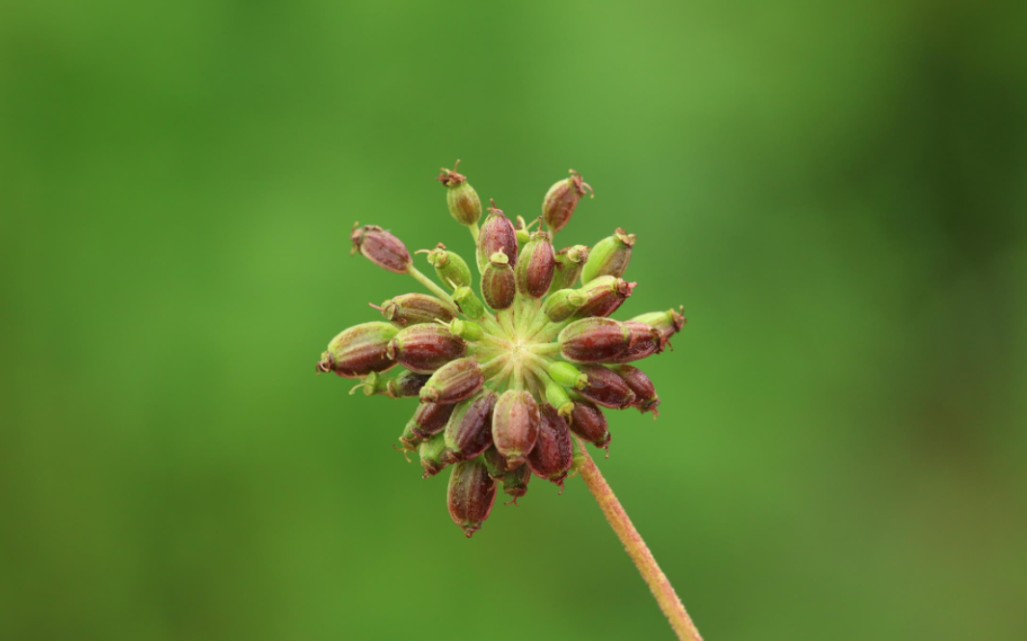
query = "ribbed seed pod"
x=667 y=323
x=562 y=304
x=558 y=398
x=469 y=431
x=603 y=296
x=589 y=422
x=497 y=235
x=467 y=330
x=472 y=492
x=406 y=384
x=469 y=304
x=432 y=453
x=498 y=284
x=594 y=340
x=566 y=375
x=411 y=309
x=359 y=350
x=381 y=248
x=535 y=266
x=515 y=481
x=449 y=267
x=430 y=419
x=553 y=454
x=455 y=381
x=562 y=199
x=606 y=388
x=609 y=257
x=646 y=399
x=643 y=342
x=464 y=203
x=515 y=425
x=569 y=263
x=425 y=348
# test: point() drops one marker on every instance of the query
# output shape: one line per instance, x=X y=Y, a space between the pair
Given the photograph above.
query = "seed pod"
x=646 y=399
x=604 y=295
x=553 y=454
x=594 y=340
x=569 y=263
x=469 y=304
x=515 y=481
x=566 y=375
x=463 y=201
x=359 y=350
x=497 y=235
x=535 y=266
x=643 y=341
x=433 y=454
x=381 y=248
x=472 y=492
x=589 y=422
x=498 y=284
x=562 y=304
x=667 y=323
x=606 y=388
x=467 y=330
x=562 y=199
x=515 y=425
x=411 y=309
x=455 y=381
x=558 y=397
x=409 y=440
x=523 y=231
x=469 y=431
x=425 y=348
x=609 y=257
x=430 y=419
x=449 y=266
x=406 y=384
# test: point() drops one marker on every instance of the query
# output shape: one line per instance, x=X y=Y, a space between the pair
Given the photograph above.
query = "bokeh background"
x=836 y=193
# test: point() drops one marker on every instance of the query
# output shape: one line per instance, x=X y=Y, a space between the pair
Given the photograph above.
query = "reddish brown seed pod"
x=667 y=323
x=606 y=388
x=406 y=384
x=646 y=399
x=498 y=283
x=514 y=480
x=604 y=295
x=412 y=309
x=472 y=492
x=425 y=348
x=359 y=350
x=553 y=454
x=594 y=340
x=497 y=235
x=469 y=431
x=515 y=424
x=381 y=248
x=430 y=419
x=569 y=263
x=455 y=381
x=589 y=422
x=535 y=266
x=562 y=199
x=643 y=341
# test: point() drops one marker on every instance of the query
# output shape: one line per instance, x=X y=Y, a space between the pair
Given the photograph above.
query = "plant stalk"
x=636 y=548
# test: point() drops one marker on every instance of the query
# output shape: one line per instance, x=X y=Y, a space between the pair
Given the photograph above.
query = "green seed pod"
x=498 y=283
x=469 y=430
x=535 y=266
x=449 y=266
x=567 y=375
x=467 y=330
x=455 y=381
x=359 y=350
x=562 y=304
x=667 y=323
x=433 y=454
x=594 y=340
x=557 y=396
x=562 y=199
x=411 y=309
x=425 y=348
x=609 y=257
x=469 y=304
x=569 y=263
x=464 y=203
x=409 y=440
x=381 y=248
x=472 y=492
x=515 y=425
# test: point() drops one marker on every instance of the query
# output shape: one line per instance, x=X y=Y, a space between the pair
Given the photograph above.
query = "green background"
x=837 y=195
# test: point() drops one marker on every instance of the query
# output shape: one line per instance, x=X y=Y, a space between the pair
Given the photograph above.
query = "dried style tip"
x=646 y=399
x=604 y=295
x=606 y=388
x=589 y=422
x=411 y=309
x=562 y=199
x=498 y=283
x=425 y=348
x=472 y=492
x=535 y=267
x=449 y=266
x=381 y=248
x=359 y=350
x=515 y=425
x=464 y=203
x=497 y=235
x=455 y=381
x=569 y=263
x=610 y=256
x=553 y=454
x=469 y=431
x=667 y=323
x=594 y=340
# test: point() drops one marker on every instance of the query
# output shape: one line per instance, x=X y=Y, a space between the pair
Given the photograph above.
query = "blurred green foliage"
x=835 y=192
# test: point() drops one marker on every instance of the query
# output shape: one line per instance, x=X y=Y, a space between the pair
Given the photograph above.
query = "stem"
x=636 y=548
x=430 y=285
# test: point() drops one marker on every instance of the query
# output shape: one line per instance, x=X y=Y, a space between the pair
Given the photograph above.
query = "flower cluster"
x=504 y=379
